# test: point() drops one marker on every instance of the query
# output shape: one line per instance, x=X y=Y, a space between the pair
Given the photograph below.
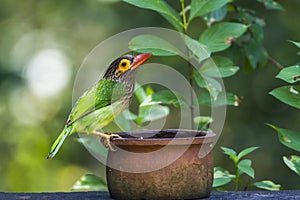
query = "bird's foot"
x=105 y=139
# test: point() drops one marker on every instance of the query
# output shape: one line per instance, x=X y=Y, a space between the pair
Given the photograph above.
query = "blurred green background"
x=42 y=45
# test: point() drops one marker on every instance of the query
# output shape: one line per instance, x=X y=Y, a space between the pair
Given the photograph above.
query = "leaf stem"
x=183 y=16
x=236 y=177
x=248 y=184
x=190 y=67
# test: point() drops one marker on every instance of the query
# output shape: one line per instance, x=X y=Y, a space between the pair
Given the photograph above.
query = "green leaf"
x=257 y=31
x=174 y=20
x=288 y=94
x=157 y=5
x=149 y=110
x=247 y=15
x=202 y=7
x=140 y=93
x=220 y=36
x=245 y=167
x=256 y=53
x=200 y=51
x=211 y=84
x=203 y=122
x=216 y=15
x=148 y=113
x=295 y=43
x=221 y=177
x=267 y=185
x=92 y=143
x=293 y=162
x=168 y=97
x=123 y=120
x=150 y=43
x=246 y=152
x=128 y=115
x=287 y=137
x=231 y=99
x=290 y=74
x=161 y=7
x=271 y=4
x=90 y=182
x=149 y=90
x=231 y=153
x=220 y=181
x=218 y=66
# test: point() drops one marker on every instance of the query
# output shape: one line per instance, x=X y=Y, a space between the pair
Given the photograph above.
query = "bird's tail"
x=59 y=141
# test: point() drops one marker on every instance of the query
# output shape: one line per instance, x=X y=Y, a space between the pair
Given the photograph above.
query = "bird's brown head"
x=123 y=68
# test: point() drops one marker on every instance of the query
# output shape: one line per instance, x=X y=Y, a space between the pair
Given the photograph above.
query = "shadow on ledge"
x=248 y=195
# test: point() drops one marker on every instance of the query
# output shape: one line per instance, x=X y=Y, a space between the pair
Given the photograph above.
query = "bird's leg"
x=105 y=139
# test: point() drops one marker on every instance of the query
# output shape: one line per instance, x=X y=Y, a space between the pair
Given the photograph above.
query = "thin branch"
x=275 y=62
x=185 y=27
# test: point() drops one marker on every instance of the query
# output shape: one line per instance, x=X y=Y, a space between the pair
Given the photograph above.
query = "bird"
x=102 y=102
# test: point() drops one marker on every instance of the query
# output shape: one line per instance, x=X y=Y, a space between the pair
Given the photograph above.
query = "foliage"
x=216 y=37
x=150 y=43
x=289 y=95
x=242 y=166
x=149 y=108
x=246 y=33
x=90 y=182
x=267 y=185
x=290 y=139
x=220 y=36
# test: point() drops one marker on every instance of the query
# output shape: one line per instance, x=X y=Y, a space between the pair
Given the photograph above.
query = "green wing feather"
x=103 y=94
x=94 y=109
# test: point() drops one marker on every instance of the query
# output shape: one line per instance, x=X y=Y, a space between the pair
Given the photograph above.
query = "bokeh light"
x=48 y=73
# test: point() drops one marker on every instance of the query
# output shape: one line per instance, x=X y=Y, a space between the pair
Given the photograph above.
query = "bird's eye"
x=124 y=64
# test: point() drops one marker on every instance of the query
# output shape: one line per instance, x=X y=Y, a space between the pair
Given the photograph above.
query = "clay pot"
x=161 y=164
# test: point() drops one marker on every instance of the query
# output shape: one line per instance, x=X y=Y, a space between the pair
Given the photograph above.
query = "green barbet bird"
x=100 y=104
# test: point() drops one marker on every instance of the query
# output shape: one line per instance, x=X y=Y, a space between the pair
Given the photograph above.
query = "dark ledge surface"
x=248 y=195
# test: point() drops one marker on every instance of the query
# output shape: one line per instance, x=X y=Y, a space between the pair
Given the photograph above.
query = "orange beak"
x=140 y=59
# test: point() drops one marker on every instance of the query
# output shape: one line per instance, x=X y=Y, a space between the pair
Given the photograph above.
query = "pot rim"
x=164 y=137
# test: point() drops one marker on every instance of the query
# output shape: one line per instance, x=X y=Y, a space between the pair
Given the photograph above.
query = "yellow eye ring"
x=124 y=65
